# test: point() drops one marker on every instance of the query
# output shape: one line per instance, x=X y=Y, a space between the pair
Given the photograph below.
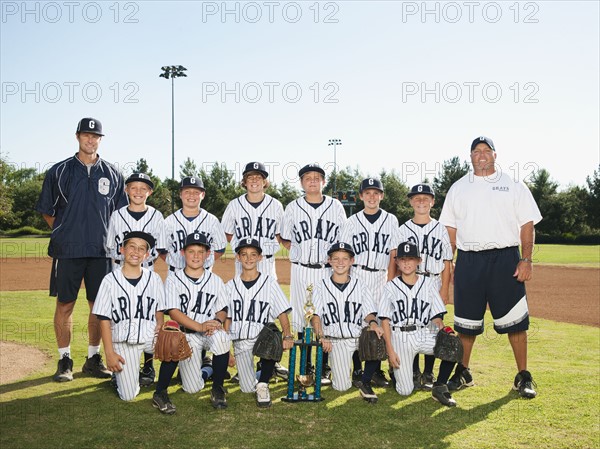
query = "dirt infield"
x=565 y=294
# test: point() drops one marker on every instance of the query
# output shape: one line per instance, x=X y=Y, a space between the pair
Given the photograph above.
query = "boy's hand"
x=393 y=359
x=114 y=361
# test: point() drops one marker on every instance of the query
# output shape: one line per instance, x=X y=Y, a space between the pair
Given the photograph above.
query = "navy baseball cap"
x=421 y=189
x=483 y=139
x=407 y=249
x=370 y=183
x=248 y=243
x=89 y=125
x=191 y=181
x=196 y=238
x=140 y=235
x=257 y=167
x=340 y=246
x=140 y=177
x=309 y=168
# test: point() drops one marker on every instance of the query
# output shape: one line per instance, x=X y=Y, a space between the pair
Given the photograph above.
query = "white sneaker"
x=263 y=396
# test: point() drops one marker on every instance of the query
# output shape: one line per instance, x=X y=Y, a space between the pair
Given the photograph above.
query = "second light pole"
x=335 y=143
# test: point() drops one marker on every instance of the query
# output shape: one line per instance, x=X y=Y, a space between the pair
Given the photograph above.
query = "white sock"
x=64 y=352
x=93 y=350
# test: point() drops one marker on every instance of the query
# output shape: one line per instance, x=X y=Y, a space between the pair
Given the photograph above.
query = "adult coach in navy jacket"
x=77 y=198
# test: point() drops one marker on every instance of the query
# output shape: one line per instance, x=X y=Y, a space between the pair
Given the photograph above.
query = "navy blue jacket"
x=81 y=205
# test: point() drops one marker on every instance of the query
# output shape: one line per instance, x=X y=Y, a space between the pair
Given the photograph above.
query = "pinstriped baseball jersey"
x=250 y=309
x=433 y=243
x=312 y=230
x=200 y=300
x=177 y=228
x=241 y=219
x=121 y=223
x=130 y=308
x=404 y=305
x=372 y=243
x=342 y=313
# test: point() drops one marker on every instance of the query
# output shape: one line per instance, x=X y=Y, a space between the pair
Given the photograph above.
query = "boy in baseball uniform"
x=311 y=224
x=253 y=300
x=431 y=237
x=373 y=233
x=409 y=304
x=137 y=216
x=343 y=306
x=126 y=306
x=195 y=298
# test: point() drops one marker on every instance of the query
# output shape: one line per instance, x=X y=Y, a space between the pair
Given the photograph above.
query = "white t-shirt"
x=488 y=212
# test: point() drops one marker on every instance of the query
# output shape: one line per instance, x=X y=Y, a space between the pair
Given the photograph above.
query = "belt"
x=371 y=270
x=186 y=330
x=428 y=274
x=409 y=328
x=313 y=265
x=150 y=263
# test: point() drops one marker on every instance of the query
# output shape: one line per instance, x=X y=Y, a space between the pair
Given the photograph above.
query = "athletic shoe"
x=64 y=370
x=460 y=380
x=427 y=380
x=263 y=396
x=217 y=398
x=326 y=376
x=379 y=379
x=441 y=394
x=357 y=378
x=417 y=380
x=94 y=366
x=281 y=372
x=367 y=393
x=235 y=379
x=392 y=377
x=162 y=402
x=524 y=384
x=147 y=375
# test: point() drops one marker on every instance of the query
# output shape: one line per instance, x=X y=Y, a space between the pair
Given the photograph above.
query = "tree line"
x=571 y=215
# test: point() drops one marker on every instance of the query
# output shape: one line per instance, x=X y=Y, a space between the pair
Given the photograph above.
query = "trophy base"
x=301 y=398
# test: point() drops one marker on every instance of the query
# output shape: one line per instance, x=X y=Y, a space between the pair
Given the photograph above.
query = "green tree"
x=544 y=191
x=7 y=217
x=395 y=201
x=347 y=179
x=189 y=168
x=452 y=170
x=593 y=201
x=221 y=188
x=571 y=211
x=284 y=193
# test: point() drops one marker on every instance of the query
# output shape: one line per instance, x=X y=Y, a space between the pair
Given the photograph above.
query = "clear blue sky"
x=404 y=86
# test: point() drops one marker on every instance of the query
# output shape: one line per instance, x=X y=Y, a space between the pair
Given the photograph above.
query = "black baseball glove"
x=269 y=343
x=370 y=346
x=448 y=346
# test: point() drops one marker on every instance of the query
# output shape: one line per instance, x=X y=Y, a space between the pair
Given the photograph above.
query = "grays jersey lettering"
x=360 y=243
x=243 y=228
x=324 y=230
x=352 y=313
x=143 y=309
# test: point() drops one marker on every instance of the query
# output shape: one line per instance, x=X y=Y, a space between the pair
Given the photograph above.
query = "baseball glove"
x=171 y=344
x=370 y=346
x=448 y=346
x=269 y=343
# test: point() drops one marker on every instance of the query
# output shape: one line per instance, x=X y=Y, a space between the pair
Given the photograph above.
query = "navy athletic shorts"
x=486 y=277
x=67 y=274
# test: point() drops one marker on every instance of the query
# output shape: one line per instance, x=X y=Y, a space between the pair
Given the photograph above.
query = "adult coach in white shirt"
x=488 y=215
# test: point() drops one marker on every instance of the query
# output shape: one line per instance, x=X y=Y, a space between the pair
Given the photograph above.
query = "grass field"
x=564 y=358
x=584 y=256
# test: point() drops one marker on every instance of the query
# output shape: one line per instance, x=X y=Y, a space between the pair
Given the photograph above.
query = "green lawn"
x=38 y=413
x=584 y=256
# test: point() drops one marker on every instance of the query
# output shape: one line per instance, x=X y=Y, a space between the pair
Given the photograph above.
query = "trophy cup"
x=305 y=380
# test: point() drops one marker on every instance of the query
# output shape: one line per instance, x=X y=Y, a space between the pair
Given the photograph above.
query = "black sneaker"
x=460 y=380
x=147 y=376
x=524 y=384
x=427 y=380
x=162 y=402
x=442 y=395
x=326 y=377
x=235 y=379
x=357 y=378
x=95 y=367
x=217 y=398
x=367 y=393
x=64 y=370
x=392 y=377
x=281 y=372
x=417 y=380
x=379 y=379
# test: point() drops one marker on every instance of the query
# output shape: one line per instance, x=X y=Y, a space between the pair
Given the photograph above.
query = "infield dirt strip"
x=566 y=294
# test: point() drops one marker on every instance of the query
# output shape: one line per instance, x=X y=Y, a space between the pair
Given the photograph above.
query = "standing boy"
x=410 y=303
x=254 y=299
x=343 y=306
x=373 y=233
x=195 y=298
x=126 y=307
x=431 y=237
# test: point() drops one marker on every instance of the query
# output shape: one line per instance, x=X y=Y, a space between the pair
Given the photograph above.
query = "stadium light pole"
x=335 y=143
x=172 y=72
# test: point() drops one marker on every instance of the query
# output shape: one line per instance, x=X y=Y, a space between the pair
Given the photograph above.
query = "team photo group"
x=354 y=280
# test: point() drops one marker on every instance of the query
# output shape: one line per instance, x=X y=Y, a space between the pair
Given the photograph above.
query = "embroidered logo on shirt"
x=103 y=186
